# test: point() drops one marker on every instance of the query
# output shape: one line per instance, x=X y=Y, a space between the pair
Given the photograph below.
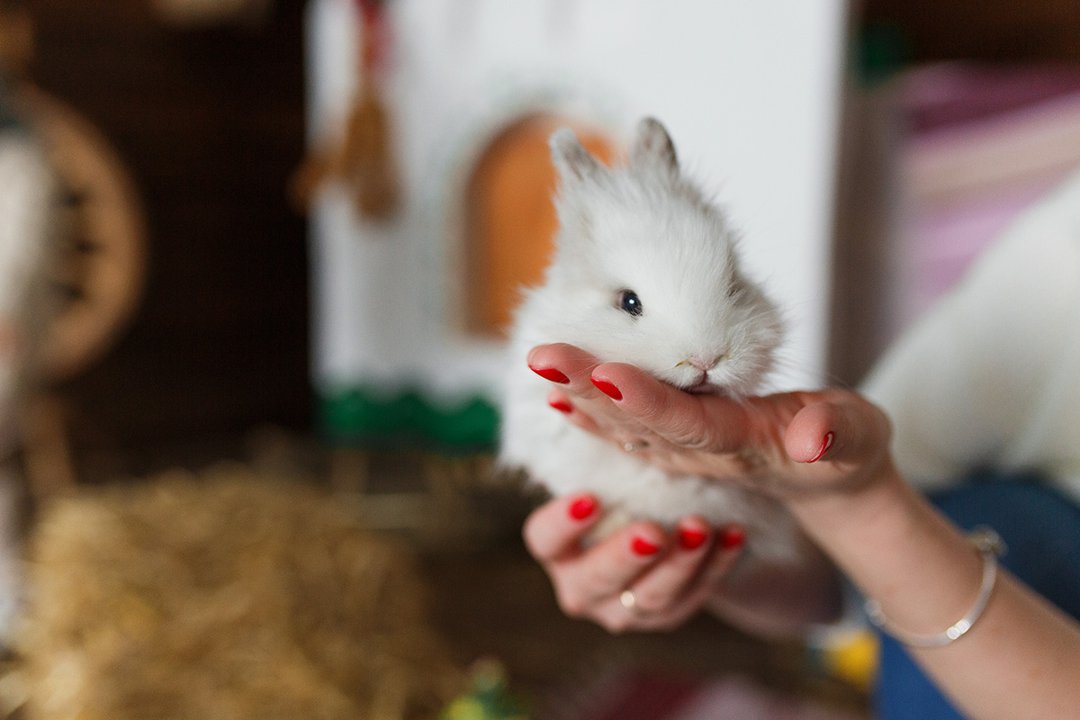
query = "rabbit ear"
x=571 y=159
x=653 y=150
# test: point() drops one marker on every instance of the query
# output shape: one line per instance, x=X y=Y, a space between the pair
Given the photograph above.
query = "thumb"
x=837 y=426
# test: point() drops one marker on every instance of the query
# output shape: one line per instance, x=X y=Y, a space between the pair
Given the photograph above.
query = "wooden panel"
x=210 y=124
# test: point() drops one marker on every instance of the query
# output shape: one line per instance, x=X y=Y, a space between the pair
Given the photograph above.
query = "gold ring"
x=629 y=601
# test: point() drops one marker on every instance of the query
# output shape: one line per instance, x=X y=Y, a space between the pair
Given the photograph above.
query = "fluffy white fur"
x=641 y=227
x=990 y=378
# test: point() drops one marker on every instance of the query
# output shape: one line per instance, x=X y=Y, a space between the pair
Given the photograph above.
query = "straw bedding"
x=224 y=596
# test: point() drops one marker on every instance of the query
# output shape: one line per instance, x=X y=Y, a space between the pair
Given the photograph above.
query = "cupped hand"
x=788 y=444
x=636 y=578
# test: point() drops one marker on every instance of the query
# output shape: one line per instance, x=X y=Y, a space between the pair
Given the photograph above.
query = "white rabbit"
x=645 y=271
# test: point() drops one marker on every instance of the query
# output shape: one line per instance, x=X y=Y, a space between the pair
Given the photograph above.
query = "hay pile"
x=226 y=597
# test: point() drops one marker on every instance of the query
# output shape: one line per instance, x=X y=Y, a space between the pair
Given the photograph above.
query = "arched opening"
x=510 y=221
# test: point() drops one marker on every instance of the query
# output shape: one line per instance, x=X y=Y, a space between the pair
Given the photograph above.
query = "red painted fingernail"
x=644 y=546
x=550 y=374
x=691 y=538
x=607 y=388
x=562 y=406
x=732 y=537
x=583 y=507
x=825 y=445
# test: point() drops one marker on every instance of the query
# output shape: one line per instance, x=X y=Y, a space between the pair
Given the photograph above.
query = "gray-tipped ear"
x=571 y=159
x=653 y=149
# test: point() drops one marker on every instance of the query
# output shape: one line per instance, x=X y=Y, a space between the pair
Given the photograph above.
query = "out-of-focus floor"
x=488 y=598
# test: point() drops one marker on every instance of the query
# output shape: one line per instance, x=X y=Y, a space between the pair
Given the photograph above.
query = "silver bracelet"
x=990 y=547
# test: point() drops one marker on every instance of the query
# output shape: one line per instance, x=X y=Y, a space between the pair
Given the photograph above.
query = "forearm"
x=1020 y=658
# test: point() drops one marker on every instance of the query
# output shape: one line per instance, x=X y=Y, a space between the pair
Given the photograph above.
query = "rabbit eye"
x=630 y=303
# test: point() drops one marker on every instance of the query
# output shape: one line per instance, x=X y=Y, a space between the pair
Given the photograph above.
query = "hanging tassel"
x=369 y=167
x=364 y=161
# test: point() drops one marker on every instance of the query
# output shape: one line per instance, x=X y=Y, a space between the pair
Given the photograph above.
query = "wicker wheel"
x=101 y=265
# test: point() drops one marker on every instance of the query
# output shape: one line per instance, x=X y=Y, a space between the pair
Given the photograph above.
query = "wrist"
x=877 y=492
x=864 y=521
x=895 y=547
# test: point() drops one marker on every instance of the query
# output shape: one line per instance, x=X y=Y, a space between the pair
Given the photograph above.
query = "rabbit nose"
x=705 y=363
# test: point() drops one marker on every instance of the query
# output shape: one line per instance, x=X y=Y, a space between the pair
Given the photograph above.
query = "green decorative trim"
x=369 y=416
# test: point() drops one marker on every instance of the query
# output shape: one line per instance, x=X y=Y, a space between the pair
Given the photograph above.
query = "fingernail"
x=550 y=374
x=583 y=507
x=732 y=537
x=643 y=546
x=825 y=445
x=692 y=538
x=607 y=388
x=562 y=406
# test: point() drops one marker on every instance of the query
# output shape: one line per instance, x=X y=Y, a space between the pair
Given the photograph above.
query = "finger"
x=836 y=426
x=564 y=404
x=718 y=566
x=624 y=433
x=555 y=529
x=659 y=589
x=713 y=569
x=567 y=366
x=712 y=423
x=603 y=571
x=716 y=561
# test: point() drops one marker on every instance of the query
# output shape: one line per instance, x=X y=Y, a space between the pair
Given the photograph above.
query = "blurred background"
x=202 y=113
x=239 y=271
x=204 y=108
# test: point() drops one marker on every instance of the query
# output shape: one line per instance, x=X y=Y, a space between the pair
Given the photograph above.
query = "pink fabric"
x=957 y=94
x=956 y=109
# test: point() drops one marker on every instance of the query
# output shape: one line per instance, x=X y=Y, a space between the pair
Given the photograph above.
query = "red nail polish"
x=583 y=507
x=562 y=406
x=732 y=537
x=607 y=388
x=643 y=546
x=550 y=374
x=825 y=445
x=691 y=538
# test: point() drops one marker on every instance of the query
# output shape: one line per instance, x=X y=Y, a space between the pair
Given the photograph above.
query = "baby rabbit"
x=645 y=271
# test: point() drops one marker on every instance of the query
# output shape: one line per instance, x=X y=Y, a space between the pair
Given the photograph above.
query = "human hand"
x=790 y=445
x=669 y=577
